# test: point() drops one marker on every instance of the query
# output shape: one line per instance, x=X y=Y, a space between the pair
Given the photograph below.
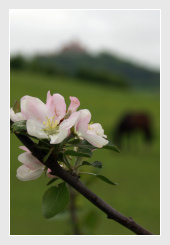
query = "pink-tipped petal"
x=24 y=148
x=30 y=161
x=75 y=103
x=83 y=120
x=48 y=96
x=70 y=122
x=33 y=108
x=50 y=175
x=57 y=106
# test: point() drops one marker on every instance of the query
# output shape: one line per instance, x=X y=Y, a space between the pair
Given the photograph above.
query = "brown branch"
x=81 y=188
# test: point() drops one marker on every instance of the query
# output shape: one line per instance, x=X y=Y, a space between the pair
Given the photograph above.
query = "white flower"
x=47 y=121
x=31 y=169
x=93 y=133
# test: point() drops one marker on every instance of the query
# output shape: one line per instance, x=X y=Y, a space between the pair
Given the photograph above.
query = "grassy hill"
x=102 y=68
x=136 y=170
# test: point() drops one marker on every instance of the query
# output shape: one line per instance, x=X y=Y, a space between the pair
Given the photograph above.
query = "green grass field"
x=136 y=170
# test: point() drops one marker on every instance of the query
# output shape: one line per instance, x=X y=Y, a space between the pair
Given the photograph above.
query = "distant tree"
x=18 y=62
x=102 y=77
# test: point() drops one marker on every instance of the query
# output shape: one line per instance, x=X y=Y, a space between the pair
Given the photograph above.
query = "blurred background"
x=110 y=61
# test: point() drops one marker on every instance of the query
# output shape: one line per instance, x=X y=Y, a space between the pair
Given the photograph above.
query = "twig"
x=81 y=188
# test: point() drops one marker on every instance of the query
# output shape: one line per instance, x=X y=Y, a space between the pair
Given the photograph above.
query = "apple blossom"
x=45 y=121
x=93 y=133
x=31 y=169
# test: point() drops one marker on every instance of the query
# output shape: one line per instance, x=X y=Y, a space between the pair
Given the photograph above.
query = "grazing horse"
x=133 y=122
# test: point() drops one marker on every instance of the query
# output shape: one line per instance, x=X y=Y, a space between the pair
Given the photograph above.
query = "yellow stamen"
x=89 y=126
x=51 y=126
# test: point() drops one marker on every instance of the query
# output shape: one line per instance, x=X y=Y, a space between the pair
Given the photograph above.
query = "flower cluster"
x=52 y=122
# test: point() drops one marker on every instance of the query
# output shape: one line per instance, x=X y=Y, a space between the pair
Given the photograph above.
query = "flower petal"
x=68 y=123
x=59 y=137
x=15 y=116
x=34 y=128
x=24 y=148
x=56 y=104
x=96 y=128
x=75 y=103
x=50 y=175
x=48 y=96
x=30 y=161
x=34 y=108
x=95 y=140
x=82 y=121
x=25 y=174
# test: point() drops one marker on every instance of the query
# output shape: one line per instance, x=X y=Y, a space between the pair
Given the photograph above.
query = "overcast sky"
x=132 y=34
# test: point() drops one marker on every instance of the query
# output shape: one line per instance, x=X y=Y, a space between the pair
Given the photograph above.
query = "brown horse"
x=131 y=123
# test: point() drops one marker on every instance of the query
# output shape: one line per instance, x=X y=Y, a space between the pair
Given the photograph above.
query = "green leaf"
x=81 y=144
x=52 y=181
x=85 y=151
x=63 y=215
x=85 y=144
x=96 y=164
x=101 y=177
x=19 y=126
x=105 y=179
x=55 y=200
x=78 y=153
x=16 y=106
x=86 y=163
x=111 y=146
x=75 y=142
